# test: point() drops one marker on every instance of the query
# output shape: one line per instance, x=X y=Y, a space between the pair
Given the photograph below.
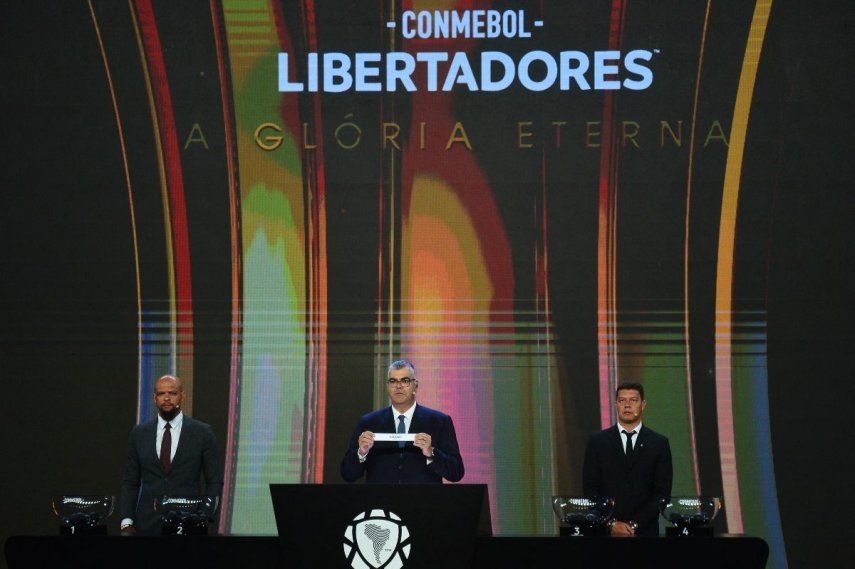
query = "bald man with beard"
x=167 y=456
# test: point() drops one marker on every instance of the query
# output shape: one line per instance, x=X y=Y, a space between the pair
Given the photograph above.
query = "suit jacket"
x=144 y=480
x=387 y=463
x=637 y=485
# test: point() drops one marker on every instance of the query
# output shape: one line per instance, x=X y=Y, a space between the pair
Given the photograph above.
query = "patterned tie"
x=166 y=448
x=402 y=428
x=629 y=449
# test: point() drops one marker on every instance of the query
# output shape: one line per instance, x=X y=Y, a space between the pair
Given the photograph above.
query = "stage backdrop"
x=533 y=201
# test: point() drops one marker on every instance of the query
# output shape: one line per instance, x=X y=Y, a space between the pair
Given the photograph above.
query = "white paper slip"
x=394 y=437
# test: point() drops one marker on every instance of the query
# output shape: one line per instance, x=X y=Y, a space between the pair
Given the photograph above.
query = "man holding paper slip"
x=405 y=443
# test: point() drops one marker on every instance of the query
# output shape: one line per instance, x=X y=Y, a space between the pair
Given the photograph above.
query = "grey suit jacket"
x=143 y=479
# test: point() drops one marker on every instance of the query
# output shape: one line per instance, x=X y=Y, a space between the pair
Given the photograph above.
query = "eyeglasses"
x=402 y=381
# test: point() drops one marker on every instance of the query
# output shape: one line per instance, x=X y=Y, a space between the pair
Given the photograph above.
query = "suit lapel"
x=149 y=443
x=183 y=439
x=418 y=419
x=388 y=421
x=617 y=443
x=150 y=438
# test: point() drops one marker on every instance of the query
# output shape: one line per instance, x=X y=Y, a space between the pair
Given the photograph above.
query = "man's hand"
x=366 y=441
x=423 y=441
x=129 y=530
x=621 y=529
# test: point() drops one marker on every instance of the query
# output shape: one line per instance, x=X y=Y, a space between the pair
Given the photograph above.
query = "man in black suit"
x=631 y=463
x=165 y=457
x=432 y=456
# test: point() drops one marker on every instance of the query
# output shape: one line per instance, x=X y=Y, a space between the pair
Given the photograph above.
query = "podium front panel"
x=380 y=526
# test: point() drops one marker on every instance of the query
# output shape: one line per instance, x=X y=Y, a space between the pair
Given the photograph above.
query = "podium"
x=374 y=526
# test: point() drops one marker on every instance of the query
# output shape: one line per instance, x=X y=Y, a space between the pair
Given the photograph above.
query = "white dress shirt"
x=408 y=417
x=623 y=436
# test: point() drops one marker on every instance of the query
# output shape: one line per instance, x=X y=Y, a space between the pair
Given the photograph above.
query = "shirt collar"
x=408 y=413
x=620 y=428
x=175 y=423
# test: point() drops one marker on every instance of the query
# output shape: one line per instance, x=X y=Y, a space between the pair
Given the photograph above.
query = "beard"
x=171 y=414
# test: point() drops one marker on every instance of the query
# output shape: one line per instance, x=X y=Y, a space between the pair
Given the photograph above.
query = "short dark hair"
x=630 y=385
x=401 y=364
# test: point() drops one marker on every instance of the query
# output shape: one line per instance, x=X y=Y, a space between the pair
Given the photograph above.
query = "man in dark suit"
x=430 y=457
x=631 y=463
x=165 y=457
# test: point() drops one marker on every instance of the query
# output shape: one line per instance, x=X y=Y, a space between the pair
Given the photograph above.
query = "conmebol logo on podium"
x=378 y=539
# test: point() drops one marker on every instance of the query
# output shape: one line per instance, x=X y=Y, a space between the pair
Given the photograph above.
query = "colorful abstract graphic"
x=527 y=251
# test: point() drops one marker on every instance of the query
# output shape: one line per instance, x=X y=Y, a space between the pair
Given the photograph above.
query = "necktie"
x=166 y=448
x=402 y=428
x=629 y=449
